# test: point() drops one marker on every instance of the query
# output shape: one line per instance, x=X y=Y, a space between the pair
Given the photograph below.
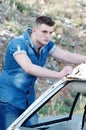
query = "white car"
x=50 y=104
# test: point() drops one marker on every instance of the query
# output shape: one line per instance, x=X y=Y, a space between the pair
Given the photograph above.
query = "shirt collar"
x=28 y=40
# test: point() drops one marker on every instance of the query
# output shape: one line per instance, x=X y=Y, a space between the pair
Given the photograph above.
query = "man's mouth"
x=46 y=40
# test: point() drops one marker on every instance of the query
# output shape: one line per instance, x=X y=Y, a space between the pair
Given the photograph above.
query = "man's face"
x=43 y=33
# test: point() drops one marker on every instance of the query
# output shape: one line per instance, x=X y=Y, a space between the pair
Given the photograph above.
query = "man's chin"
x=44 y=43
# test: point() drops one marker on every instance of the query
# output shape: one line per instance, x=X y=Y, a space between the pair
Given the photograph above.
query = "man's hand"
x=79 y=71
x=65 y=71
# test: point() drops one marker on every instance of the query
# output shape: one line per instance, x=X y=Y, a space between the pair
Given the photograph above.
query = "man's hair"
x=45 y=20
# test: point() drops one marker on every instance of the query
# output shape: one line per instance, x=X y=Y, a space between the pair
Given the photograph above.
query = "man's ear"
x=34 y=29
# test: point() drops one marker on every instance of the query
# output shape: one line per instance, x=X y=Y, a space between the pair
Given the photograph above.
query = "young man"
x=25 y=57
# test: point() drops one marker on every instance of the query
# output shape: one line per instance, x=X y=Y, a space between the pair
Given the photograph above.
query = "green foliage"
x=30 y=25
x=64 y=109
x=44 y=111
x=14 y=27
x=56 y=40
x=21 y=6
x=11 y=2
x=68 y=101
x=73 y=94
x=59 y=108
x=80 y=104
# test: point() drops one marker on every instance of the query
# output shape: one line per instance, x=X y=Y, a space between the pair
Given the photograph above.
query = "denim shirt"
x=17 y=86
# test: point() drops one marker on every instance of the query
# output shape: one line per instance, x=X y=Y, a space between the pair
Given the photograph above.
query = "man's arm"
x=60 y=54
x=24 y=61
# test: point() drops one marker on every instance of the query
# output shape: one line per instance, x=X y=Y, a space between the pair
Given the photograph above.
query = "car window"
x=57 y=104
x=59 y=107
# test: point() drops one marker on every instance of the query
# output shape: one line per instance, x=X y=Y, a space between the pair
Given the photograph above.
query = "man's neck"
x=36 y=44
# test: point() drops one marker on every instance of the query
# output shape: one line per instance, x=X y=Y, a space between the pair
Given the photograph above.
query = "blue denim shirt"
x=17 y=86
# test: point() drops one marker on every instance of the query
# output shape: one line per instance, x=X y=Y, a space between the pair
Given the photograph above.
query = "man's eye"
x=51 y=32
x=44 y=31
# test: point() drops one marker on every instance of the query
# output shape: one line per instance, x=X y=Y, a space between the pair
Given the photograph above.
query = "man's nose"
x=48 y=35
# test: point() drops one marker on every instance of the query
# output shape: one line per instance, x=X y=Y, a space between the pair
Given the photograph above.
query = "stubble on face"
x=42 y=35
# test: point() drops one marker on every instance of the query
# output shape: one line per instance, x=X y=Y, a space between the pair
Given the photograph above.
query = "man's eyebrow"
x=46 y=31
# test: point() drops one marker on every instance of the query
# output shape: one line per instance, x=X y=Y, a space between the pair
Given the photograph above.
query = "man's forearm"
x=76 y=58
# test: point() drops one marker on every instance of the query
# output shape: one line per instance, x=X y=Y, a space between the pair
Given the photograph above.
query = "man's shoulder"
x=17 y=40
x=50 y=44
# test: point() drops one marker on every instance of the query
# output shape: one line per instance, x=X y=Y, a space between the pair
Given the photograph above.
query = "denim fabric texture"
x=9 y=113
x=17 y=86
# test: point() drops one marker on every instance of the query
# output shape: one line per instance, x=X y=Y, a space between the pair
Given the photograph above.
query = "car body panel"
x=72 y=124
x=69 y=123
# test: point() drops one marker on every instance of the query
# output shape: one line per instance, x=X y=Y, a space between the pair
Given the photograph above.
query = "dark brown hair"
x=45 y=20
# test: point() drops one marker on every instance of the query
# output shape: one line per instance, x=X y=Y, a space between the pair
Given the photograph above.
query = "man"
x=25 y=57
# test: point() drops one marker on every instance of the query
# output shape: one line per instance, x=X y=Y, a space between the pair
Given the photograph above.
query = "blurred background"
x=70 y=34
